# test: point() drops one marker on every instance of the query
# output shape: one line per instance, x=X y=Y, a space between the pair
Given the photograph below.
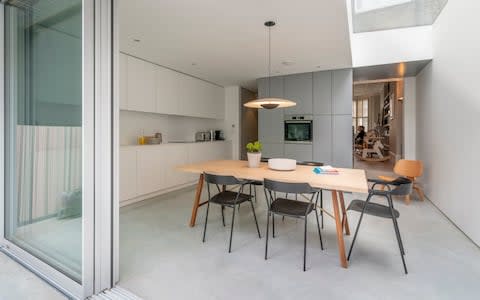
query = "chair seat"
x=373 y=209
x=228 y=198
x=291 y=207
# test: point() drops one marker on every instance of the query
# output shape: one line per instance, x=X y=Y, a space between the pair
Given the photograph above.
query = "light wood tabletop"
x=347 y=180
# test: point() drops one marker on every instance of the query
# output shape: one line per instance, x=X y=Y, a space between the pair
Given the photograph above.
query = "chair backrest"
x=288 y=187
x=309 y=163
x=221 y=179
x=403 y=186
x=408 y=168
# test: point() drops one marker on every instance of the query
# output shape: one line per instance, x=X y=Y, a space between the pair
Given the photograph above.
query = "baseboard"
x=157 y=193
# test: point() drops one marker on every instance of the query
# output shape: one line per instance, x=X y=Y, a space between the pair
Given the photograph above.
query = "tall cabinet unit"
x=327 y=95
x=270 y=121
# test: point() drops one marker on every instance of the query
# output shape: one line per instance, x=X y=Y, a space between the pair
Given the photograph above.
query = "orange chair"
x=410 y=169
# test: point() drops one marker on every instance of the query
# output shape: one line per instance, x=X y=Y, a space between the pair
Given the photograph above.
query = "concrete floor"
x=162 y=258
x=16 y=282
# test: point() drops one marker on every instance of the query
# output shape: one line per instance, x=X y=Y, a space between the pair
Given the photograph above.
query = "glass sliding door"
x=43 y=131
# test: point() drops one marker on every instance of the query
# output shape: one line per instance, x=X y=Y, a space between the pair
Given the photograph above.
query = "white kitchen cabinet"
x=175 y=155
x=322 y=139
x=188 y=96
x=128 y=173
x=150 y=169
x=140 y=85
x=299 y=88
x=123 y=78
x=166 y=85
x=219 y=102
x=300 y=152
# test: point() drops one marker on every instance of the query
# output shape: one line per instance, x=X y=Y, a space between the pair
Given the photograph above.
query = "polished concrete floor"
x=16 y=282
x=162 y=258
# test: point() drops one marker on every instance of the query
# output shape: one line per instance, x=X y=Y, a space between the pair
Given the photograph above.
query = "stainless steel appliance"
x=298 y=128
x=199 y=136
x=219 y=135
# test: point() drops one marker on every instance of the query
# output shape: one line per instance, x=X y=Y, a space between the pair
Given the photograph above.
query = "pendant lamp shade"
x=269 y=102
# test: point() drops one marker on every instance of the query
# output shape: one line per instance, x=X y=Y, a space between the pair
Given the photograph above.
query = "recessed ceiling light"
x=288 y=63
x=136 y=40
x=194 y=64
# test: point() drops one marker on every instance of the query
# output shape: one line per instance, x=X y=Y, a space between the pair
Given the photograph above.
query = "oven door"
x=298 y=131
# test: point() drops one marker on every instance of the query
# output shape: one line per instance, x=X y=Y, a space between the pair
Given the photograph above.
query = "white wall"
x=410 y=118
x=391 y=46
x=232 y=118
x=448 y=107
x=173 y=128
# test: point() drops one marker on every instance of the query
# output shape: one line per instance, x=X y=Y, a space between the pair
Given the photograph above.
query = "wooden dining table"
x=347 y=180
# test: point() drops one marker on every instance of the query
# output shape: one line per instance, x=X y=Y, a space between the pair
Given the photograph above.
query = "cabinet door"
x=219 y=102
x=270 y=121
x=342 y=92
x=342 y=141
x=188 y=96
x=141 y=85
x=273 y=150
x=177 y=155
x=322 y=93
x=300 y=152
x=166 y=84
x=150 y=168
x=322 y=139
x=299 y=88
x=128 y=173
x=123 y=81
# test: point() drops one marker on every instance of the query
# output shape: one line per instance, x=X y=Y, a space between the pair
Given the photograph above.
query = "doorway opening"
x=377 y=120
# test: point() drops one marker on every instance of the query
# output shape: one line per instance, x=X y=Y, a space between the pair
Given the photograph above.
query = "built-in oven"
x=298 y=128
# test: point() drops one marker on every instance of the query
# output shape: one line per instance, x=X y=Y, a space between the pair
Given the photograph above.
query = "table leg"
x=338 y=223
x=344 y=214
x=196 y=202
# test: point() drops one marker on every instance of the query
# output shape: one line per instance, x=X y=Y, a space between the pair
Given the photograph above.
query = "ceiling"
x=225 y=42
x=397 y=70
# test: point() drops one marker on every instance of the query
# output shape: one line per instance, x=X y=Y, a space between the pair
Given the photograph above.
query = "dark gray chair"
x=226 y=198
x=290 y=207
x=315 y=164
x=401 y=186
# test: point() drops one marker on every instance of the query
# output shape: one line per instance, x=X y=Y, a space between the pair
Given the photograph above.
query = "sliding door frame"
x=100 y=114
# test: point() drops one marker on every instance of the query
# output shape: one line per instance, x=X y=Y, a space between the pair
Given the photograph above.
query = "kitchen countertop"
x=176 y=142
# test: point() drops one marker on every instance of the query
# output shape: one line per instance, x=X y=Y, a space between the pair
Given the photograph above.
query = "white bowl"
x=282 y=164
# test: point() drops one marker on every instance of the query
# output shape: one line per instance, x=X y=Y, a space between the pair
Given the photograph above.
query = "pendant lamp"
x=269 y=102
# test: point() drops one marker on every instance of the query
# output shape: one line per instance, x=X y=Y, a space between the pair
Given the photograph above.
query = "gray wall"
x=327 y=95
x=448 y=106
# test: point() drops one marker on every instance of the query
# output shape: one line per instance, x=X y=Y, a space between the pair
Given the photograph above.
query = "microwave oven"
x=298 y=129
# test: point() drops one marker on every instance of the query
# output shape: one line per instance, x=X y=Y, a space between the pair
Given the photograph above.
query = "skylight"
x=373 y=15
x=368 y=5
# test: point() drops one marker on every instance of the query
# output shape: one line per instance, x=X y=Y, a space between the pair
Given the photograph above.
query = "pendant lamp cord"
x=269 y=60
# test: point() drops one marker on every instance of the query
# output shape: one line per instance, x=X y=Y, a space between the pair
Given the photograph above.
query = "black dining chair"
x=226 y=198
x=401 y=186
x=315 y=164
x=290 y=207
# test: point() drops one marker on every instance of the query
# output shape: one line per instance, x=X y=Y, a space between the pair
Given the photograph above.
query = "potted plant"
x=254 y=154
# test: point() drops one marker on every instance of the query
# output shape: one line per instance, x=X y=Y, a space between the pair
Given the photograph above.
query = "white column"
x=409 y=118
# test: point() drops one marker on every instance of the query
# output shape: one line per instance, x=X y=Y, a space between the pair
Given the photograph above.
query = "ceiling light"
x=270 y=103
x=136 y=40
x=288 y=63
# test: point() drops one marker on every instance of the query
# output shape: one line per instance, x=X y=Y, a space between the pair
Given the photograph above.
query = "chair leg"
x=266 y=235
x=397 y=233
x=231 y=231
x=358 y=227
x=321 y=205
x=223 y=216
x=407 y=199
x=206 y=220
x=419 y=191
x=255 y=218
x=319 y=232
x=273 y=225
x=305 y=246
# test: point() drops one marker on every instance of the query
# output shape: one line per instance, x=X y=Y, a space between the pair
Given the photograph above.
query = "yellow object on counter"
x=141 y=140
